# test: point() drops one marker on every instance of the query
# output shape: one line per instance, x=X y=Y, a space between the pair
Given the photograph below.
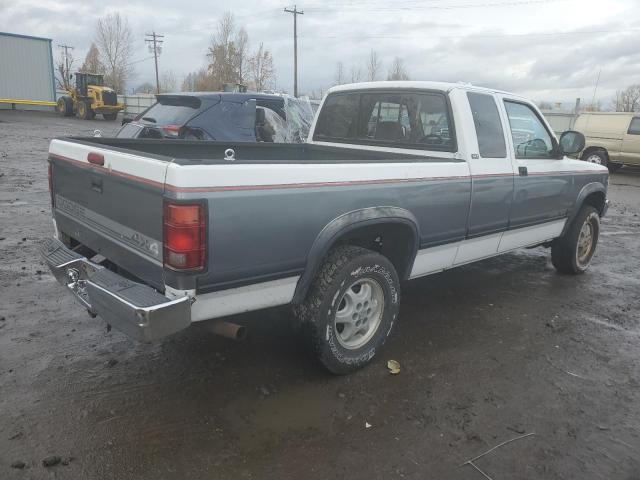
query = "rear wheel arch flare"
x=397 y=231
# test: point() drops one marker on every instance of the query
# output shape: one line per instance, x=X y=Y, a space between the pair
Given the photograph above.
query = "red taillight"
x=95 y=159
x=184 y=236
x=50 y=175
x=172 y=130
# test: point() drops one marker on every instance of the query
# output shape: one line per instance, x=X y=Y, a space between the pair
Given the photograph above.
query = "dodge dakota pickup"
x=397 y=180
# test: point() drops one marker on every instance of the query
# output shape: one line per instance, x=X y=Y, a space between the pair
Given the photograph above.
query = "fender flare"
x=344 y=224
x=588 y=189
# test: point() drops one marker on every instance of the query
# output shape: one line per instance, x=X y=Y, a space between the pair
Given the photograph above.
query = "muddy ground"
x=489 y=352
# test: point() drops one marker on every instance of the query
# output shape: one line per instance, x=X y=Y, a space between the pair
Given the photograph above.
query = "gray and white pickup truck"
x=398 y=180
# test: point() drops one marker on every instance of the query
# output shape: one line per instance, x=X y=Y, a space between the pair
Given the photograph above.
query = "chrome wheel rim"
x=585 y=243
x=359 y=313
x=594 y=159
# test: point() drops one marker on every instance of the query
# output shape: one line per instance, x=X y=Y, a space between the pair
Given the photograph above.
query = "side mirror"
x=571 y=142
x=126 y=120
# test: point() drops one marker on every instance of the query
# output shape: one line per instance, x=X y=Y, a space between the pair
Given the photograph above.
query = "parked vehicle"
x=192 y=231
x=89 y=97
x=612 y=139
x=221 y=116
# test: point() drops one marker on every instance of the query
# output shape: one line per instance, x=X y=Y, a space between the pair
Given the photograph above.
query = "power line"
x=155 y=46
x=295 y=13
x=421 y=6
x=473 y=35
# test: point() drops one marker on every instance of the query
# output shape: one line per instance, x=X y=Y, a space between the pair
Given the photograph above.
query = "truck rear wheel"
x=350 y=309
x=110 y=116
x=573 y=252
x=64 y=106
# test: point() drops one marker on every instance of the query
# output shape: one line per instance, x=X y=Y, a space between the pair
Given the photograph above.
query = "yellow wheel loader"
x=88 y=97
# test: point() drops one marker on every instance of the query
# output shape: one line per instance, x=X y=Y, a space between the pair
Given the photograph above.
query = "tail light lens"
x=172 y=130
x=50 y=175
x=184 y=236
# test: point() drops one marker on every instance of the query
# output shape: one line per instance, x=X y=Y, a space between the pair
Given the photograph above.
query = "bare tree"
x=356 y=73
x=374 y=66
x=339 y=78
x=261 y=69
x=242 y=46
x=199 y=81
x=628 y=100
x=222 y=53
x=92 y=63
x=168 y=82
x=593 y=107
x=64 y=67
x=114 y=39
x=397 y=70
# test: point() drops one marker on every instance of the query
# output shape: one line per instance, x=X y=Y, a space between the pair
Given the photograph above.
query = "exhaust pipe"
x=229 y=330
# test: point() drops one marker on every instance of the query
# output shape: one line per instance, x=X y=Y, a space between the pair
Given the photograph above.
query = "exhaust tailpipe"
x=229 y=330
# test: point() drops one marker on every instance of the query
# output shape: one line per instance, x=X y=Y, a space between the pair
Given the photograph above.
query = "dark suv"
x=221 y=116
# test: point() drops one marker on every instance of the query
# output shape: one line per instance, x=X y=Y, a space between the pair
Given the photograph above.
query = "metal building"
x=26 y=71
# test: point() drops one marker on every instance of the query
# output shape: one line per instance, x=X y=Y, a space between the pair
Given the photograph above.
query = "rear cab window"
x=415 y=119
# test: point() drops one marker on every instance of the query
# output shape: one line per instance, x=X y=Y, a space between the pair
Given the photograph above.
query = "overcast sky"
x=545 y=49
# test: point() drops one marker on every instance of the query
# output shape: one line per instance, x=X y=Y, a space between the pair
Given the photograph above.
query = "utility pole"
x=295 y=13
x=65 y=79
x=155 y=46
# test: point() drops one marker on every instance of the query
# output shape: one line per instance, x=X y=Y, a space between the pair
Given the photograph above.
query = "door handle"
x=523 y=171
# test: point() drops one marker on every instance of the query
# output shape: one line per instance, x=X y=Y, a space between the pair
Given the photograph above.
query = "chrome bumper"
x=134 y=308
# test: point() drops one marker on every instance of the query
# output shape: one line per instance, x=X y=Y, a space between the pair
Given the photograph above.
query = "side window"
x=530 y=137
x=338 y=117
x=488 y=126
x=634 y=128
x=405 y=120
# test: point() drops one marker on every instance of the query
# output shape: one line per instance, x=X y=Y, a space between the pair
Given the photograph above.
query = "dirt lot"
x=489 y=352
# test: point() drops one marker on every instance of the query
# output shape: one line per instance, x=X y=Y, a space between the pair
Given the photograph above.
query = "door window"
x=530 y=137
x=634 y=128
x=488 y=125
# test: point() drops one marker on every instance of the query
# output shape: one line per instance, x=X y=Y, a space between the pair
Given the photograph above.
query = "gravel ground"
x=489 y=352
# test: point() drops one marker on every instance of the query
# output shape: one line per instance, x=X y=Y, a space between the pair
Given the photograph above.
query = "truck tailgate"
x=111 y=201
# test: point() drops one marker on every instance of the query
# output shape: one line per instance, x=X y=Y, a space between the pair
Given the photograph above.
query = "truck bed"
x=187 y=152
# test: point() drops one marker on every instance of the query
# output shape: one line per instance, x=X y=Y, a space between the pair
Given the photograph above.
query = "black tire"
x=614 y=167
x=110 y=117
x=64 y=106
x=596 y=155
x=345 y=272
x=84 y=111
x=568 y=253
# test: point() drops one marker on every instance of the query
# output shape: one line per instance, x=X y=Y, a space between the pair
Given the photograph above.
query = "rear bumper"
x=605 y=208
x=134 y=308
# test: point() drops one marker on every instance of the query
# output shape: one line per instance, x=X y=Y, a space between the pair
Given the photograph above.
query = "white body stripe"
x=437 y=259
x=208 y=176
x=243 y=299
